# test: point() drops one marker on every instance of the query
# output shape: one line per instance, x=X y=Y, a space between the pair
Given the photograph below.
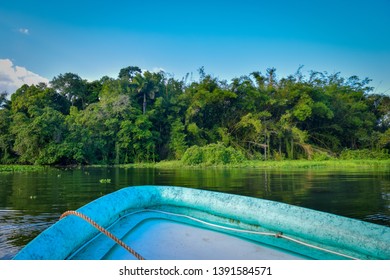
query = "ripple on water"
x=18 y=228
x=378 y=219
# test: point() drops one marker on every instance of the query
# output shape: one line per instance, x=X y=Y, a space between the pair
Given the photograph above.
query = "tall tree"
x=128 y=73
x=147 y=86
x=6 y=138
x=73 y=87
x=5 y=103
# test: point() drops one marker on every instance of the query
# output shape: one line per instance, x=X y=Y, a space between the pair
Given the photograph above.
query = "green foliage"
x=143 y=117
x=212 y=154
x=74 y=89
x=384 y=140
x=6 y=138
x=36 y=134
x=20 y=168
x=143 y=140
x=303 y=109
x=129 y=72
x=364 y=154
x=28 y=99
x=193 y=156
x=177 y=143
x=321 y=156
x=105 y=181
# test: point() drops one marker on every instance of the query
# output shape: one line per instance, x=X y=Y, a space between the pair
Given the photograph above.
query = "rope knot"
x=279 y=235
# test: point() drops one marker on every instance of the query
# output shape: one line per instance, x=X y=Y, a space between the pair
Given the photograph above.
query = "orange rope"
x=103 y=230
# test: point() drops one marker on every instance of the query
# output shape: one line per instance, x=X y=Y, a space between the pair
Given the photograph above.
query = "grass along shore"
x=9 y=168
x=271 y=164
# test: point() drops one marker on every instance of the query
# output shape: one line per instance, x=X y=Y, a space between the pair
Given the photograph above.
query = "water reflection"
x=18 y=228
x=30 y=202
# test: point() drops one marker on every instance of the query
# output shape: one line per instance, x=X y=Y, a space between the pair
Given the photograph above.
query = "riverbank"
x=285 y=164
x=20 y=168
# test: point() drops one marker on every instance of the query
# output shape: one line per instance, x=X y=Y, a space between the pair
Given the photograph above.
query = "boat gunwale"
x=61 y=240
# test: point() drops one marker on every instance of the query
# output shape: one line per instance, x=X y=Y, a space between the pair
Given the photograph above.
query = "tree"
x=6 y=138
x=147 y=85
x=271 y=76
x=259 y=78
x=36 y=138
x=93 y=132
x=354 y=119
x=143 y=141
x=146 y=116
x=248 y=135
x=177 y=141
x=4 y=102
x=28 y=98
x=210 y=105
x=73 y=88
x=129 y=73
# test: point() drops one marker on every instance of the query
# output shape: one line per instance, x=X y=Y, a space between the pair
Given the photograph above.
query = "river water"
x=32 y=201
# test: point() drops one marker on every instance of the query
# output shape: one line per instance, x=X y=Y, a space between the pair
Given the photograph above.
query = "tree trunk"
x=280 y=146
x=265 y=147
x=292 y=148
x=116 y=153
x=269 y=145
x=144 y=105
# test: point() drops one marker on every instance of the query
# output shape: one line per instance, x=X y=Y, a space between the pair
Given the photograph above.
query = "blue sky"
x=42 y=39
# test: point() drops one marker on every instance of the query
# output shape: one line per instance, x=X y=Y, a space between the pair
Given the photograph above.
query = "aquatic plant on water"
x=105 y=181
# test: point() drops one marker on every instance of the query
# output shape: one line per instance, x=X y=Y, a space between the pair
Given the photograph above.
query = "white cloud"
x=158 y=69
x=13 y=77
x=24 y=31
x=154 y=70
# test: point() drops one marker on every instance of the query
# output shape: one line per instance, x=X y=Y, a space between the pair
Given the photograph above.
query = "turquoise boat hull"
x=161 y=222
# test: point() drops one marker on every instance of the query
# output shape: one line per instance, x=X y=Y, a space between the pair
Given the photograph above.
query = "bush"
x=364 y=154
x=193 y=156
x=320 y=156
x=212 y=154
x=278 y=156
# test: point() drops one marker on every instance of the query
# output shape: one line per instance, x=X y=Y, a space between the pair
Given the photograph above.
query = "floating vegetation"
x=105 y=181
x=20 y=168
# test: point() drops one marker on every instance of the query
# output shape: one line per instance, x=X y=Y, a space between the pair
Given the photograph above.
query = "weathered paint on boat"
x=162 y=222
